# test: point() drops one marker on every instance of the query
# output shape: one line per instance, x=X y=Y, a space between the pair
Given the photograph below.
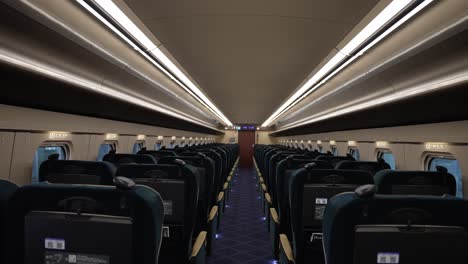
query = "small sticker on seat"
x=60 y=257
x=54 y=243
x=165 y=231
x=388 y=258
x=316 y=236
x=321 y=200
x=167 y=207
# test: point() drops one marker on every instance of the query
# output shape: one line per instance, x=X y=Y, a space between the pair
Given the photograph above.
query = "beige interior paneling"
x=6 y=150
x=26 y=144
x=30 y=128
x=263 y=137
x=228 y=134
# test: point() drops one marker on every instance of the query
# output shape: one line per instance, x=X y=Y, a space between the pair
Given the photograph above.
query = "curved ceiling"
x=249 y=56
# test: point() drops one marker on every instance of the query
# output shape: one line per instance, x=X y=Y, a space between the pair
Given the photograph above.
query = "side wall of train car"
x=413 y=147
x=23 y=130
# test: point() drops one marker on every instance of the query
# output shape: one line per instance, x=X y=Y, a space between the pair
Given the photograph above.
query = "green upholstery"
x=371 y=166
x=140 y=203
x=305 y=187
x=7 y=189
x=178 y=184
x=77 y=171
x=415 y=182
x=345 y=211
x=121 y=158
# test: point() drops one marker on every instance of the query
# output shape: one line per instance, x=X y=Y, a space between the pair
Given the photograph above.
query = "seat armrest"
x=264 y=188
x=198 y=254
x=213 y=213
x=225 y=186
x=274 y=215
x=267 y=197
x=220 y=196
x=286 y=253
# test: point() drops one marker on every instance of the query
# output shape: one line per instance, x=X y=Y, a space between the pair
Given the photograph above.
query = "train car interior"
x=225 y=132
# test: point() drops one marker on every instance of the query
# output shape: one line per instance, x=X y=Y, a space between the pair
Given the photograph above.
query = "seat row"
x=131 y=208
x=304 y=194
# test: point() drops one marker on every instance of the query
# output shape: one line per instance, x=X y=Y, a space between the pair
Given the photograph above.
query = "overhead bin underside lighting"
x=47 y=70
x=438 y=84
x=133 y=36
x=373 y=33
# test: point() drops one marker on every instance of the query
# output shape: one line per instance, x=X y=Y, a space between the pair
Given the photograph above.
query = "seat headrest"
x=387 y=180
x=315 y=165
x=142 y=204
x=347 y=210
x=334 y=159
x=162 y=171
x=298 y=163
x=332 y=177
x=120 y=158
x=157 y=154
x=73 y=171
x=370 y=166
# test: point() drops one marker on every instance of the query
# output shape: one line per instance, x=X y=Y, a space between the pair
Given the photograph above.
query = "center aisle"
x=243 y=236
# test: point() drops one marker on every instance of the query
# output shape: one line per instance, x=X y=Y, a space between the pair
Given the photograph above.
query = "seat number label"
x=60 y=257
x=388 y=258
x=321 y=200
x=316 y=236
x=167 y=207
x=54 y=243
x=165 y=231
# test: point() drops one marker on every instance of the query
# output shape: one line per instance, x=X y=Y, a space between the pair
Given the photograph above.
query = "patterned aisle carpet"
x=243 y=236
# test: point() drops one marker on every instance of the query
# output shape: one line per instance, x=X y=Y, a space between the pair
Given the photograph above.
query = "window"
x=320 y=148
x=138 y=146
x=334 y=150
x=355 y=153
x=105 y=148
x=43 y=153
x=388 y=157
x=158 y=145
x=171 y=145
x=451 y=164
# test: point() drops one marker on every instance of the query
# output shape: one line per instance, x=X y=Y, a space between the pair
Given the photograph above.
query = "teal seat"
x=360 y=227
x=120 y=223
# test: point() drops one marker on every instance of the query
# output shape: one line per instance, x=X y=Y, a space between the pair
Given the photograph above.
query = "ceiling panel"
x=248 y=56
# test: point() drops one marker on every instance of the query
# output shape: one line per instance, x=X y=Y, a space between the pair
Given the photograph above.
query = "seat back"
x=334 y=159
x=270 y=179
x=177 y=185
x=309 y=192
x=415 y=183
x=395 y=229
x=77 y=172
x=205 y=177
x=7 y=189
x=371 y=166
x=121 y=158
x=157 y=154
x=65 y=221
x=283 y=172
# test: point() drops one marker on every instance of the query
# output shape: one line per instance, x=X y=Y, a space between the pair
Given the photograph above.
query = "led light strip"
x=424 y=88
x=150 y=48
x=346 y=53
x=44 y=69
x=105 y=53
